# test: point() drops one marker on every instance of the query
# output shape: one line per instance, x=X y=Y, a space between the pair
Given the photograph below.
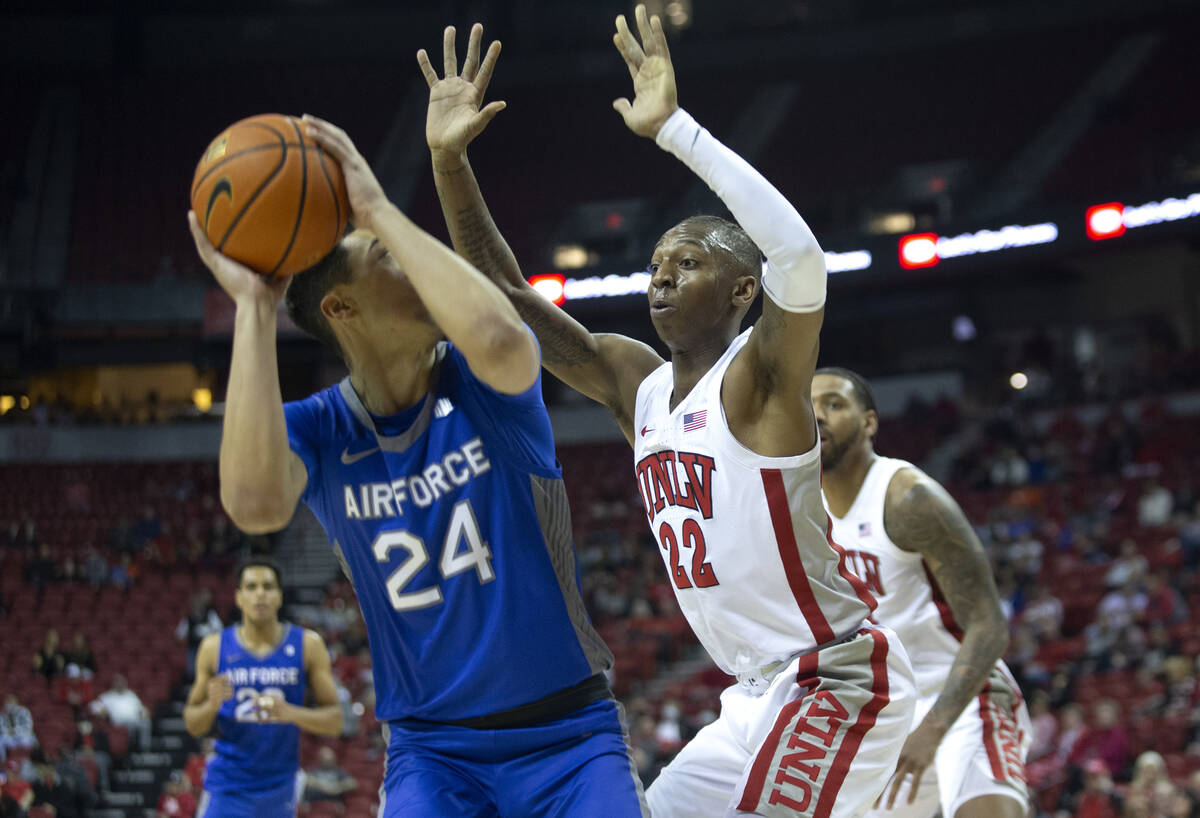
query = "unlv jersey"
x=744 y=537
x=910 y=602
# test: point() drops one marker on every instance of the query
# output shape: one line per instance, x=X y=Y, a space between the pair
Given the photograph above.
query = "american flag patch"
x=864 y=529
x=694 y=420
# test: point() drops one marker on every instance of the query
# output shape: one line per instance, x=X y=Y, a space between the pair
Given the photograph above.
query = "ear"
x=335 y=306
x=871 y=421
x=745 y=288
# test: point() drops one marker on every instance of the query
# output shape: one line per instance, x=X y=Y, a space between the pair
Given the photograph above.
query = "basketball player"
x=432 y=469
x=910 y=542
x=251 y=681
x=725 y=446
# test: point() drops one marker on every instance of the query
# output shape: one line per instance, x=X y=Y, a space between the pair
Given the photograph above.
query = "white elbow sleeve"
x=800 y=288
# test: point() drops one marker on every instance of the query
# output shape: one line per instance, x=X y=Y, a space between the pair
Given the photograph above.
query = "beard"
x=832 y=458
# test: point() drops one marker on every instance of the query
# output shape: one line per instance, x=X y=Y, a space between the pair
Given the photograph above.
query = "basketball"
x=268 y=196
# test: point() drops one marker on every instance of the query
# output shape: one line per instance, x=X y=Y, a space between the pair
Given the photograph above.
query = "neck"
x=261 y=635
x=842 y=483
x=689 y=365
x=389 y=383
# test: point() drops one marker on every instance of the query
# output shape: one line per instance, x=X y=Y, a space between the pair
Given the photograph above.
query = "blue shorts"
x=279 y=802
x=579 y=766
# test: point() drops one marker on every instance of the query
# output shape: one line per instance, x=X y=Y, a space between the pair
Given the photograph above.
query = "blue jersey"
x=451 y=521
x=251 y=755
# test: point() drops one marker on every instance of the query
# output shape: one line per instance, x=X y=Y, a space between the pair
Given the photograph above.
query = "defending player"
x=251 y=681
x=432 y=469
x=727 y=461
x=917 y=552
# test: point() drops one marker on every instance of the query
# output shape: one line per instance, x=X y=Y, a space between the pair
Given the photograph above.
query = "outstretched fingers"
x=449 y=58
x=471 y=65
x=649 y=45
x=426 y=67
x=627 y=44
x=659 y=37
x=486 y=67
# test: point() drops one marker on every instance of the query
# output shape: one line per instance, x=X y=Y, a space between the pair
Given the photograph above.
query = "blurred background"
x=1009 y=198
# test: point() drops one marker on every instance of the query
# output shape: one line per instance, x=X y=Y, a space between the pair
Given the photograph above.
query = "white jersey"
x=910 y=601
x=745 y=537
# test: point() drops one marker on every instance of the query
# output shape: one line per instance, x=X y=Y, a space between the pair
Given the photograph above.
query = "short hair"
x=308 y=287
x=730 y=236
x=863 y=393
x=258 y=561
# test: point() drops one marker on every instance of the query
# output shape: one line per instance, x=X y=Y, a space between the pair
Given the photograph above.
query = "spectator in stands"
x=669 y=732
x=95 y=568
x=16 y=726
x=1106 y=741
x=202 y=619
x=1159 y=647
x=123 y=572
x=1045 y=726
x=1149 y=774
x=42 y=570
x=74 y=689
x=1154 y=505
x=146 y=529
x=76 y=779
x=197 y=763
x=1043 y=614
x=51 y=790
x=16 y=795
x=1128 y=568
x=80 y=654
x=49 y=659
x=1123 y=606
x=1164 y=603
x=92 y=745
x=1098 y=798
x=177 y=799
x=1189 y=538
x=123 y=708
x=327 y=781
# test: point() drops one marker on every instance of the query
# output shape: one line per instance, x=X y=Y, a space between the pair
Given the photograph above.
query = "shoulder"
x=920 y=515
x=315 y=650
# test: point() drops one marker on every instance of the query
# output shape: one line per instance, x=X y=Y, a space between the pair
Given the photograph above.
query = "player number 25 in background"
x=692 y=537
x=463 y=527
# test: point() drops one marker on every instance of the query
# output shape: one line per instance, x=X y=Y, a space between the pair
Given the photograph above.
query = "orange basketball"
x=269 y=197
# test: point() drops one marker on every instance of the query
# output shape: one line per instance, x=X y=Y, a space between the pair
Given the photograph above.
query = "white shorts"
x=820 y=742
x=983 y=753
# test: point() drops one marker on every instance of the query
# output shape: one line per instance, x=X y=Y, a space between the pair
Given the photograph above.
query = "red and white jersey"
x=910 y=601
x=745 y=537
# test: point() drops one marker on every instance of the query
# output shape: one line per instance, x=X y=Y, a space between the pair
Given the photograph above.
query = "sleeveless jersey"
x=910 y=601
x=744 y=537
x=250 y=755
x=451 y=521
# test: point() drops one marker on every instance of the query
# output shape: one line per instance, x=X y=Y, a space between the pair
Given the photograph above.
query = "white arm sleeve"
x=794 y=273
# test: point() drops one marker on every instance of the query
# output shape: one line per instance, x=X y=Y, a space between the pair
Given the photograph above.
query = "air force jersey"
x=251 y=755
x=451 y=521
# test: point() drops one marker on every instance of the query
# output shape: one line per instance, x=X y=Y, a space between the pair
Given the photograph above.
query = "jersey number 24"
x=463 y=528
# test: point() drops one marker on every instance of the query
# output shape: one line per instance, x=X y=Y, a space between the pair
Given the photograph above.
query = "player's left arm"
x=921 y=516
x=324 y=717
x=465 y=305
x=774 y=372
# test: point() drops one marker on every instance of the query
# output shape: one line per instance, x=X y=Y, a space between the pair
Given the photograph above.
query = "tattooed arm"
x=606 y=368
x=920 y=516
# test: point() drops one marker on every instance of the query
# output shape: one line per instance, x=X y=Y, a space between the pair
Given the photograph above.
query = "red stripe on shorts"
x=806 y=677
x=943 y=607
x=989 y=735
x=866 y=720
x=789 y=553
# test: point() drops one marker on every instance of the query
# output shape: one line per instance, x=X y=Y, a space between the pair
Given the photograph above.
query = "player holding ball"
x=432 y=469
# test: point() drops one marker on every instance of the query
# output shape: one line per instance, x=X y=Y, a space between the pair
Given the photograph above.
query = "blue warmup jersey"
x=451 y=520
x=251 y=755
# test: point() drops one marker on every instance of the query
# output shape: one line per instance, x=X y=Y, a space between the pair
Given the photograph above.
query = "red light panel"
x=1105 y=221
x=918 y=250
x=550 y=285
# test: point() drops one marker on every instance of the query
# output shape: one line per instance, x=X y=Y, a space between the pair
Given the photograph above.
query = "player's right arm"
x=607 y=368
x=261 y=477
x=209 y=691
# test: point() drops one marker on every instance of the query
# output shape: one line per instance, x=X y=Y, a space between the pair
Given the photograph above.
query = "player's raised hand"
x=235 y=278
x=362 y=188
x=454 y=117
x=649 y=64
x=219 y=689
